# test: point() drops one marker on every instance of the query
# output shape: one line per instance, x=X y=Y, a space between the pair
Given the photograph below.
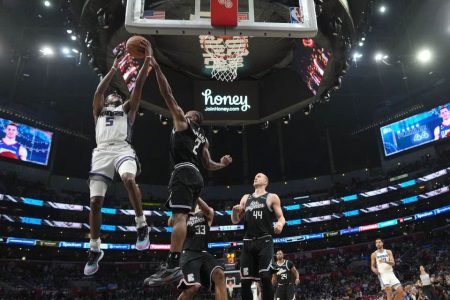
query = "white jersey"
x=382 y=259
x=113 y=126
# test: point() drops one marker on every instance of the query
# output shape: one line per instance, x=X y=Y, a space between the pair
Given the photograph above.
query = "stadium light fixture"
x=361 y=44
x=69 y=31
x=357 y=56
x=424 y=56
x=47 y=3
x=75 y=50
x=65 y=50
x=73 y=37
x=382 y=9
x=47 y=51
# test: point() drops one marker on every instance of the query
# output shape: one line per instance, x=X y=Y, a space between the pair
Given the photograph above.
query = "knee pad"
x=128 y=166
x=97 y=188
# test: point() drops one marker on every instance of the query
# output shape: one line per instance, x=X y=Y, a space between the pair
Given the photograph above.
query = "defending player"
x=382 y=263
x=284 y=277
x=188 y=145
x=113 y=121
x=199 y=267
x=258 y=211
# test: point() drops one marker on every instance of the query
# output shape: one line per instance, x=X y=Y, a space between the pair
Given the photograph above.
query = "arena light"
x=382 y=9
x=357 y=56
x=75 y=51
x=47 y=3
x=287 y=119
x=240 y=129
x=379 y=56
x=69 y=31
x=361 y=44
x=363 y=39
x=65 y=50
x=215 y=130
x=424 y=56
x=47 y=51
x=73 y=37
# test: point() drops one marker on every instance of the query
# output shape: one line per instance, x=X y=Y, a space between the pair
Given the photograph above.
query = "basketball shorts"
x=285 y=292
x=197 y=268
x=388 y=280
x=185 y=186
x=256 y=257
x=108 y=159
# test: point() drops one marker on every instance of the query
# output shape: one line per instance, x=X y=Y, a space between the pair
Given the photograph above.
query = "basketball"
x=134 y=46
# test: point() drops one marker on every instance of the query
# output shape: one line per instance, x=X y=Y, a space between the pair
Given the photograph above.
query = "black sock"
x=173 y=260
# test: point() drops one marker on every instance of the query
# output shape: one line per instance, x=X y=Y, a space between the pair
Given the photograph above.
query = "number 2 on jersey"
x=198 y=142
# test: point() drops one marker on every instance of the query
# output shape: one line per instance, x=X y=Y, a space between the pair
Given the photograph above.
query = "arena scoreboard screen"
x=417 y=130
x=21 y=142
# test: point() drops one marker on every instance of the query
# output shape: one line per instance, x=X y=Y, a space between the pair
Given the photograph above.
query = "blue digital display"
x=33 y=221
x=21 y=241
x=410 y=199
x=416 y=130
x=108 y=227
x=387 y=223
x=110 y=211
x=32 y=201
x=407 y=183
x=351 y=213
x=292 y=207
x=294 y=222
x=71 y=244
x=349 y=230
x=349 y=198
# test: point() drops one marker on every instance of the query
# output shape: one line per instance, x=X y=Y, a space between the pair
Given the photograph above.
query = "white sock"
x=95 y=244
x=140 y=221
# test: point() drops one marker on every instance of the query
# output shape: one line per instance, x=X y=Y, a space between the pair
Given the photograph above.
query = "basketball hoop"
x=226 y=53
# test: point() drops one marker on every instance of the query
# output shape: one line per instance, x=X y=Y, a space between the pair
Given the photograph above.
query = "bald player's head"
x=261 y=179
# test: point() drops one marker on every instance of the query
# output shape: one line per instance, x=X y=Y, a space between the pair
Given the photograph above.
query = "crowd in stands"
x=329 y=274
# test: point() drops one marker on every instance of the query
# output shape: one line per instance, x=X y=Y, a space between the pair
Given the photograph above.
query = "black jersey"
x=258 y=217
x=186 y=145
x=284 y=274
x=197 y=231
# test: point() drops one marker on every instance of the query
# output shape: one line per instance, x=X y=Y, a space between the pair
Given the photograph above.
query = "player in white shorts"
x=113 y=121
x=382 y=263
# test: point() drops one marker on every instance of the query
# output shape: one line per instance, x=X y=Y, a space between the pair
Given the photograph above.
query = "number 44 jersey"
x=259 y=217
x=187 y=145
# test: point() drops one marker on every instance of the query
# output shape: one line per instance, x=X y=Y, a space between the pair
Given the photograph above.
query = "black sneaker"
x=164 y=276
x=91 y=266
x=143 y=240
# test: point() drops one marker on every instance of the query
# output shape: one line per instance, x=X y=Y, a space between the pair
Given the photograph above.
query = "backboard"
x=258 y=18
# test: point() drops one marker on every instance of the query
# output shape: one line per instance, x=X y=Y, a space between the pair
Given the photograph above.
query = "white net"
x=226 y=54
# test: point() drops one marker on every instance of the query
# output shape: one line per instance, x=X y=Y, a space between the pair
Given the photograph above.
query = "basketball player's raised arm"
x=391 y=258
x=207 y=210
x=179 y=120
x=211 y=165
x=99 y=96
x=132 y=105
x=239 y=210
x=373 y=263
x=276 y=206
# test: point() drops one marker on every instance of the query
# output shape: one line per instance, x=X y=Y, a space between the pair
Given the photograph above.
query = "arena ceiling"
x=58 y=90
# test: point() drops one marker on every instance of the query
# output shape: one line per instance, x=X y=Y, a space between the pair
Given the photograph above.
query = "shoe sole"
x=102 y=253
x=170 y=279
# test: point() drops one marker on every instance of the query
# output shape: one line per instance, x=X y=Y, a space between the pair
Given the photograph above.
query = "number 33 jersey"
x=187 y=145
x=197 y=231
x=258 y=217
x=112 y=126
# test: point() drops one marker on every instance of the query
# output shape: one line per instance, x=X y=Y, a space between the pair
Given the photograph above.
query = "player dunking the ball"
x=113 y=122
x=285 y=277
x=199 y=267
x=188 y=145
x=382 y=263
x=258 y=211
